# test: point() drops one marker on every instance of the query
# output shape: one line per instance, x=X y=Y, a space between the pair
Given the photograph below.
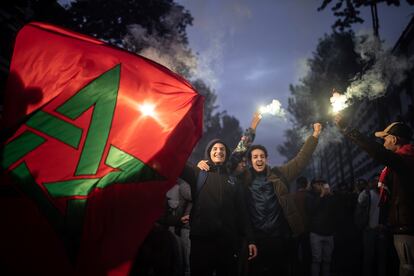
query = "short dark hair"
x=254 y=147
x=361 y=184
x=301 y=182
x=318 y=180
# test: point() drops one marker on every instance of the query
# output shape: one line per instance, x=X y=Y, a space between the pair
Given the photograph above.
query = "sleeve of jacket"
x=378 y=152
x=185 y=197
x=189 y=174
x=293 y=168
x=245 y=142
x=313 y=203
x=363 y=199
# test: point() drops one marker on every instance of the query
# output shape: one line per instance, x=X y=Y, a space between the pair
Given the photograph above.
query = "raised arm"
x=294 y=167
x=257 y=117
x=317 y=128
x=373 y=148
x=189 y=174
x=245 y=142
x=249 y=135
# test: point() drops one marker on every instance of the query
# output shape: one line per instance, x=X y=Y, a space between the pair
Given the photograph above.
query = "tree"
x=109 y=20
x=216 y=124
x=292 y=144
x=333 y=65
x=348 y=12
x=156 y=29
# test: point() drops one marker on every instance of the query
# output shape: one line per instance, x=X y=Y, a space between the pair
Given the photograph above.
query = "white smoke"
x=329 y=135
x=274 y=108
x=210 y=60
x=367 y=46
x=169 y=51
x=387 y=69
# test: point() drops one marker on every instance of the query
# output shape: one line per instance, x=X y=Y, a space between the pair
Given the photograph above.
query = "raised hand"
x=340 y=121
x=255 y=120
x=252 y=251
x=317 y=128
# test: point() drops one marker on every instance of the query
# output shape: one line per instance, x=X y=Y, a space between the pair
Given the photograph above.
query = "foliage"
x=348 y=12
x=209 y=101
x=109 y=20
x=333 y=65
x=155 y=29
x=216 y=125
x=292 y=144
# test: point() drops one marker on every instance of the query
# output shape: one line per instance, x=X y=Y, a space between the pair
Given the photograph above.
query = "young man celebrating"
x=272 y=211
x=396 y=187
x=218 y=218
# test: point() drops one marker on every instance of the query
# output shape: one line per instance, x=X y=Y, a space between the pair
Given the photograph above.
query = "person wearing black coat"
x=218 y=218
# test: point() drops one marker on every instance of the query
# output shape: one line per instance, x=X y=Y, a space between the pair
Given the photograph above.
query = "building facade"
x=342 y=163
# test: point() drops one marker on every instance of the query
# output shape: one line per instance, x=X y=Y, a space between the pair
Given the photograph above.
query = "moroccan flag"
x=99 y=136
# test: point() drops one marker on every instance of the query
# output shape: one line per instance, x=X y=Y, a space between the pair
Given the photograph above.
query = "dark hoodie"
x=216 y=211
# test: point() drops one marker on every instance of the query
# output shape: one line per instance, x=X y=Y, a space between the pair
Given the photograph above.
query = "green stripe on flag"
x=55 y=127
x=19 y=147
x=101 y=93
x=131 y=169
x=76 y=187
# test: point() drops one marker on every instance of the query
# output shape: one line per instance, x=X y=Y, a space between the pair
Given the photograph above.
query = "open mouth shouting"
x=258 y=158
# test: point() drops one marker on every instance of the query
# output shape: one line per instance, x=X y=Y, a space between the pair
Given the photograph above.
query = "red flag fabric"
x=103 y=134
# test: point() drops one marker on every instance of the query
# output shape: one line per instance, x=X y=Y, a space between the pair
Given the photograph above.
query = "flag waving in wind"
x=100 y=135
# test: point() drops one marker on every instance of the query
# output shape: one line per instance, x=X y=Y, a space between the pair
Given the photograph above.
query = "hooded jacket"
x=401 y=175
x=217 y=207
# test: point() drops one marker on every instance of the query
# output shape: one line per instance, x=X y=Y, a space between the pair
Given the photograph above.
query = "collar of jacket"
x=218 y=168
x=406 y=149
x=278 y=184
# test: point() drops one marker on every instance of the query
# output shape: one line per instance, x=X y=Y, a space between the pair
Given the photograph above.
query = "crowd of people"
x=233 y=214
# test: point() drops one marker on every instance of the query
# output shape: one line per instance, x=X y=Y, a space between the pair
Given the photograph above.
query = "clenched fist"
x=317 y=128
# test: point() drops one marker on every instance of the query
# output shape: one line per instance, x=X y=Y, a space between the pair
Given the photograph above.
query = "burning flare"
x=274 y=108
x=338 y=102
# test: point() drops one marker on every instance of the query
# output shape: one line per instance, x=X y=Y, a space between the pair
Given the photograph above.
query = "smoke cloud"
x=330 y=134
x=173 y=53
x=168 y=50
x=210 y=61
x=274 y=108
x=386 y=69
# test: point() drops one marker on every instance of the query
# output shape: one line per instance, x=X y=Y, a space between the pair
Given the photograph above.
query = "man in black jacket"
x=321 y=207
x=218 y=218
x=395 y=183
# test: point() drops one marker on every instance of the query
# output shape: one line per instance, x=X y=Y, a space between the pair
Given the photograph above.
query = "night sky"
x=250 y=51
